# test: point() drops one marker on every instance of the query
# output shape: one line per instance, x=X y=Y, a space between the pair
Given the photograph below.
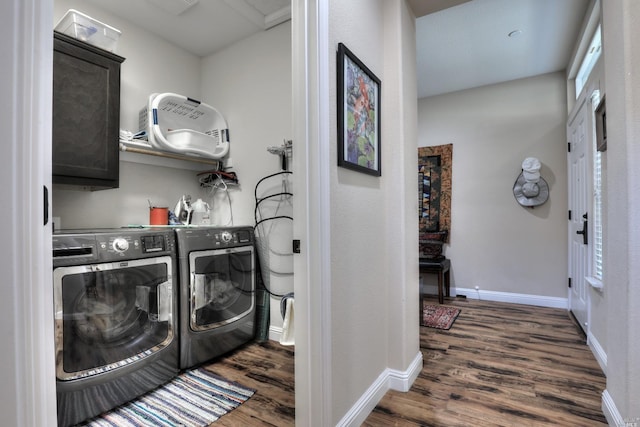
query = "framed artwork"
x=430 y=180
x=434 y=188
x=358 y=115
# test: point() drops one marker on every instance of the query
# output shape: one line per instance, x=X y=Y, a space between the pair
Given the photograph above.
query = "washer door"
x=110 y=315
x=221 y=287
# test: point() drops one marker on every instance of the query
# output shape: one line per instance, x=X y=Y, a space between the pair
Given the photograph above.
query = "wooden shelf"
x=150 y=156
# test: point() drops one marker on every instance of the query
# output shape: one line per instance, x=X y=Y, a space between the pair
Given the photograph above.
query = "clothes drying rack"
x=273 y=214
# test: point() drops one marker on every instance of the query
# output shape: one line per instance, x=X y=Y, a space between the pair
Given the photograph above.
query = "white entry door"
x=578 y=169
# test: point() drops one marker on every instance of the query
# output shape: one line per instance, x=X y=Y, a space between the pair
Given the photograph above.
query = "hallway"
x=500 y=365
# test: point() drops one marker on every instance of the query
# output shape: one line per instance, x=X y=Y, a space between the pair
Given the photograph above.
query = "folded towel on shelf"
x=131 y=139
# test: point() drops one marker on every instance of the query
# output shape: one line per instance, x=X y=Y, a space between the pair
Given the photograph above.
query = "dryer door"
x=222 y=286
x=110 y=315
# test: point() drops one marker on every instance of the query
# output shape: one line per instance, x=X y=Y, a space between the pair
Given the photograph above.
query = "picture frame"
x=359 y=101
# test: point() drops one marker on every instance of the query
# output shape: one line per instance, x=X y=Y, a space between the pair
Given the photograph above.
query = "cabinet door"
x=86 y=114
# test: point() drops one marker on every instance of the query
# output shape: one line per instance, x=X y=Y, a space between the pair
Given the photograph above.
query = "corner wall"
x=495 y=243
x=250 y=84
x=358 y=270
x=401 y=153
x=151 y=65
x=621 y=35
x=372 y=246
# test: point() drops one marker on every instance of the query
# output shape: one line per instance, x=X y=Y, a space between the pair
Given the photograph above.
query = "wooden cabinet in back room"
x=86 y=114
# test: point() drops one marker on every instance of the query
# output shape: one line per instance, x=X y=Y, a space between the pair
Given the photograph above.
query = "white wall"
x=359 y=271
x=151 y=65
x=250 y=83
x=621 y=36
x=401 y=156
x=495 y=243
x=371 y=242
x=27 y=367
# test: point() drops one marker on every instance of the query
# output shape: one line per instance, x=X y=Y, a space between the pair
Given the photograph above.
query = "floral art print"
x=359 y=115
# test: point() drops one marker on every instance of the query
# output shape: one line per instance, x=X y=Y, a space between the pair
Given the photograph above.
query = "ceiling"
x=468 y=45
x=206 y=26
x=460 y=44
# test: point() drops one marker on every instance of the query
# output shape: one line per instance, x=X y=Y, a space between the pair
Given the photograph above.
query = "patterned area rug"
x=439 y=316
x=193 y=399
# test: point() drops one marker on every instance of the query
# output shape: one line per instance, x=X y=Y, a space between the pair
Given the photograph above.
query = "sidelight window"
x=597 y=264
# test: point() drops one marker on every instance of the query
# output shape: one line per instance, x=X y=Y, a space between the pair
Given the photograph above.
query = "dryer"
x=217 y=291
x=115 y=303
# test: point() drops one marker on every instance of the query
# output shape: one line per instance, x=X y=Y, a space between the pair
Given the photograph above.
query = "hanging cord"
x=267 y=177
x=255 y=213
x=264 y=285
x=285 y=192
x=214 y=180
x=226 y=191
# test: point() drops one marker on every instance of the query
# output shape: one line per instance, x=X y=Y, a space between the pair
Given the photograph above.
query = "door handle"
x=585 y=230
x=46 y=205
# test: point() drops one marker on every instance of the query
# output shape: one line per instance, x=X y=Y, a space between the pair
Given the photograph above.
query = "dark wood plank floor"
x=269 y=369
x=499 y=365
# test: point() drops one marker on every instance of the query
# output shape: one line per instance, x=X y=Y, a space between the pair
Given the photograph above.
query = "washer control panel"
x=74 y=248
x=110 y=246
x=120 y=244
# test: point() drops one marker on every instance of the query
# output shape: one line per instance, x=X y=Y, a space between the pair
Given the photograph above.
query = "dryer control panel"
x=231 y=237
x=202 y=238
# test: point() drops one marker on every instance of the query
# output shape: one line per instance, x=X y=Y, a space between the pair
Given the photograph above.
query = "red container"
x=158 y=216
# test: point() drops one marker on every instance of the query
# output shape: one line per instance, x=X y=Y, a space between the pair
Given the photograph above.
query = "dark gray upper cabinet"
x=86 y=114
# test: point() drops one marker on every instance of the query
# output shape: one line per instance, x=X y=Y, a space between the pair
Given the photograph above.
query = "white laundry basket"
x=184 y=125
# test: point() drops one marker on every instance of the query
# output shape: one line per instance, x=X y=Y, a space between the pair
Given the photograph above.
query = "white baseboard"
x=611 y=412
x=275 y=332
x=389 y=379
x=538 y=300
x=403 y=380
x=598 y=351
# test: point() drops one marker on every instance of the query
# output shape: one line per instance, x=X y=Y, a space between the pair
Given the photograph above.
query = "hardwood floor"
x=269 y=369
x=499 y=365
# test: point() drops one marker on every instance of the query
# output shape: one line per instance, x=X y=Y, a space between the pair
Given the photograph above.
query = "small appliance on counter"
x=191 y=213
x=201 y=214
x=183 y=210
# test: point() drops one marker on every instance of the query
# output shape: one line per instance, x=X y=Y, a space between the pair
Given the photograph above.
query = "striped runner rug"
x=195 y=398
